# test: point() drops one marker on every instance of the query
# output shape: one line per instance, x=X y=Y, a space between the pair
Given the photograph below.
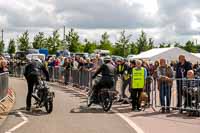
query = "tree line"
x=122 y=47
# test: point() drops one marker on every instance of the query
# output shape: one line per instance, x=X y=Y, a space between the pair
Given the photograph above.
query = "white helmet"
x=36 y=59
x=107 y=58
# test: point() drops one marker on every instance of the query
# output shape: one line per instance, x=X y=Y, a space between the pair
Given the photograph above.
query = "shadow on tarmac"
x=33 y=112
x=84 y=109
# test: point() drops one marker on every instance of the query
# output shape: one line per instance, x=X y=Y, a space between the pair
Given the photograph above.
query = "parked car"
x=32 y=51
x=84 y=55
x=102 y=52
x=64 y=53
x=21 y=55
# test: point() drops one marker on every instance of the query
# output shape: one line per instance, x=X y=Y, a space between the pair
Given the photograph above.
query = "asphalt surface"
x=70 y=115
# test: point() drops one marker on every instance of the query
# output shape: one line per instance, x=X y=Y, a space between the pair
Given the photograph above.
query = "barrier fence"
x=177 y=94
x=3 y=85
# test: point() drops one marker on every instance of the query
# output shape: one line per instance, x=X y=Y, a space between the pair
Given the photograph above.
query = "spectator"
x=156 y=65
x=3 y=66
x=81 y=72
x=182 y=68
x=151 y=68
x=94 y=62
x=139 y=75
x=165 y=74
x=121 y=68
x=99 y=61
x=67 y=68
x=76 y=62
x=88 y=65
x=51 y=67
x=148 y=80
x=126 y=80
x=189 y=86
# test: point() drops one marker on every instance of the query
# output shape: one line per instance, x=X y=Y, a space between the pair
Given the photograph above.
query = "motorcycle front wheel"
x=106 y=101
x=49 y=106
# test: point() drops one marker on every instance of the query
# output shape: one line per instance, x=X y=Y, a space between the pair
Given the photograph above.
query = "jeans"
x=165 y=91
x=123 y=89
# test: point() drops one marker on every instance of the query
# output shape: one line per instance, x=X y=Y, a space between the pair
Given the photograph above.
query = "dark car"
x=21 y=55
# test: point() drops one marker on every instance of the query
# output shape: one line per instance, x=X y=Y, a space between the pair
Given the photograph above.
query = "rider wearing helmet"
x=107 y=71
x=32 y=73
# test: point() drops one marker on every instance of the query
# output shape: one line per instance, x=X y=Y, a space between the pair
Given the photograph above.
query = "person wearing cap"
x=137 y=85
x=122 y=68
x=125 y=80
x=107 y=71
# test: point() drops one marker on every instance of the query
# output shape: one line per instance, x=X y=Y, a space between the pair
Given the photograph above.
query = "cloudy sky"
x=163 y=20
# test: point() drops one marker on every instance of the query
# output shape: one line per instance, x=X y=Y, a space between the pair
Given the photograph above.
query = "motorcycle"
x=43 y=96
x=192 y=100
x=105 y=98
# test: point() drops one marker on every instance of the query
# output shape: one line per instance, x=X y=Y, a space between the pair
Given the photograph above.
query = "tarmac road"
x=70 y=115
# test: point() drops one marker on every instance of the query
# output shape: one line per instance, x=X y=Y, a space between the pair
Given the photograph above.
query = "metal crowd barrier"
x=79 y=78
x=3 y=85
x=16 y=70
x=177 y=94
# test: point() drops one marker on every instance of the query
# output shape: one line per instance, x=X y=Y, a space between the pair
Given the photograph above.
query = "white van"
x=40 y=56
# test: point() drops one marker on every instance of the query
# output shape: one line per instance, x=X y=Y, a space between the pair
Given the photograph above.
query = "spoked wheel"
x=49 y=106
x=106 y=101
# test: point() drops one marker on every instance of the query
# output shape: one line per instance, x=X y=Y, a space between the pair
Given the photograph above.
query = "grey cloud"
x=178 y=14
x=172 y=21
x=21 y=18
x=103 y=14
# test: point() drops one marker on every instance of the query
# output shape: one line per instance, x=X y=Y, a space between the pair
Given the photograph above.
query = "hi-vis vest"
x=121 y=68
x=138 y=78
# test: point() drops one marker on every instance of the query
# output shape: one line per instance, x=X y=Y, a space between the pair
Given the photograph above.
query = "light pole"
x=2 y=35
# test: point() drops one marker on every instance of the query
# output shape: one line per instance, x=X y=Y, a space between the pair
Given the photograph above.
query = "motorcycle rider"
x=108 y=72
x=32 y=73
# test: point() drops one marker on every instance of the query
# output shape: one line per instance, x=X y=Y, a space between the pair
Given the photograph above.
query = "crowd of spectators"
x=159 y=73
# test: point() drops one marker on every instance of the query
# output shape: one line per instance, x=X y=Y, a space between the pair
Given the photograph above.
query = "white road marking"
x=122 y=116
x=20 y=124
x=129 y=121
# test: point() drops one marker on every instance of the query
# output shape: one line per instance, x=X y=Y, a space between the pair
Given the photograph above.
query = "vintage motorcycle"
x=43 y=96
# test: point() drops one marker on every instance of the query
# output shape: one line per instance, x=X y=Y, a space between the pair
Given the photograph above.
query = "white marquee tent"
x=196 y=54
x=170 y=54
